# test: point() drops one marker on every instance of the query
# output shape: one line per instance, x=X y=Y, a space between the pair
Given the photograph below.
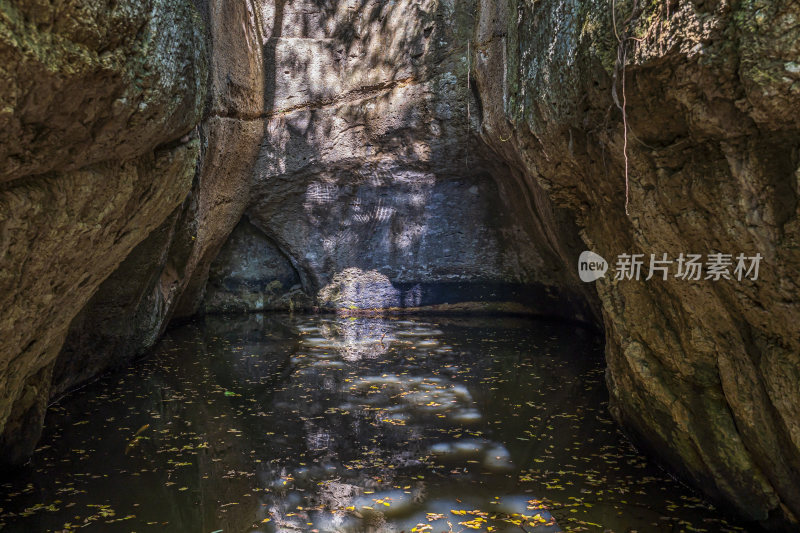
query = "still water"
x=279 y=423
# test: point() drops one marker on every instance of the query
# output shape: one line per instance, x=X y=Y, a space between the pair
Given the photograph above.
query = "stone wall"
x=703 y=373
x=96 y=109
x=371 y=171
x=164 y=276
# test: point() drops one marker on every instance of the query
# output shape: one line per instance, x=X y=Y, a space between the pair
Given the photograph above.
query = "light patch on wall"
x=409 y=235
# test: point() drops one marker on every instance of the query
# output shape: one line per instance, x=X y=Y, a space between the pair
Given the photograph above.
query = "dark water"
x=274 y=423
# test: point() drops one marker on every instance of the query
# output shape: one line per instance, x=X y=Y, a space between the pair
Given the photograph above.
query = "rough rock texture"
x=163 y=277
x=233 y=131
x=371 y=167
x=705 y=373
x=95 y=105
x=85 y=82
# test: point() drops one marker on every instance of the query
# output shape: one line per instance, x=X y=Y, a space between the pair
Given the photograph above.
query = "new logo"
x=591 y=266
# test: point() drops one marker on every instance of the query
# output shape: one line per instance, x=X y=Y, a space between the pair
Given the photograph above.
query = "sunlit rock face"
x=704 y=373
x=97 y=105
x=372 y=179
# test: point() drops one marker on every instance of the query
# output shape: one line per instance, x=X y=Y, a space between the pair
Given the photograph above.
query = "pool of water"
x=280 y=423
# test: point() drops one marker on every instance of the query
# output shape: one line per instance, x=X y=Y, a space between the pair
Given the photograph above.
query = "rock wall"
x=370 y=162
x=96 y=105
x=164 y=276
x=703 y=373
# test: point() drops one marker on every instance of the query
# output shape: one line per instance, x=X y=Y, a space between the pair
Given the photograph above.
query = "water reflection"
x=349 y=424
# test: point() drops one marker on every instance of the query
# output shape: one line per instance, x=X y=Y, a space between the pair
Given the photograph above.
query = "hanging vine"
x=619 y=72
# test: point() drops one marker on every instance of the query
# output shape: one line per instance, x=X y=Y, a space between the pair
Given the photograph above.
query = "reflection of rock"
x=337 y=495
x=253 y=350
x=424 y=395
x=356 y=339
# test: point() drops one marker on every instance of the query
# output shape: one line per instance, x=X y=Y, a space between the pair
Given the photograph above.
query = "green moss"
x=763 y=77
x=274 y=286
x=512 y=106
x=597 y=33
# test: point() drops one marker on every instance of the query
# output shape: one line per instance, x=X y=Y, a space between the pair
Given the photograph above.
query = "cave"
x=409 y=265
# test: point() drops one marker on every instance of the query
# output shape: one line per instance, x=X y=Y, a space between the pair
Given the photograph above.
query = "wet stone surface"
x=279 y=423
